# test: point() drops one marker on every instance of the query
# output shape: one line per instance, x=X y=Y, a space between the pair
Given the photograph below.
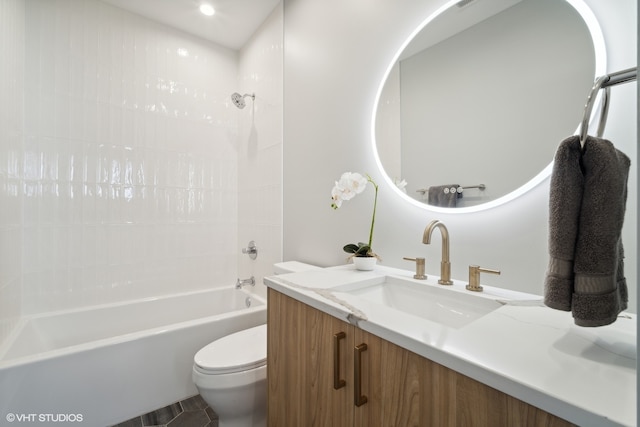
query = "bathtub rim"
x=123 y=338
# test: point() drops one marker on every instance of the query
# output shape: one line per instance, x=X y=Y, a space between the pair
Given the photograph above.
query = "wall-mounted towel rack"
x=603 y=82
x=453 y=189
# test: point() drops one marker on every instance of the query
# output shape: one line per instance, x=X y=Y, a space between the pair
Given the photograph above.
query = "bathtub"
x=102 y=365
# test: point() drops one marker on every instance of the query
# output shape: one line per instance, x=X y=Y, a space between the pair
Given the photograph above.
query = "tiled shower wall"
x=12 y=21
x=130 y=170
x=130 y=160
x=260 y=150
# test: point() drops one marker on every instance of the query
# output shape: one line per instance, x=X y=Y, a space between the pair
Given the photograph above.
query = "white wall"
x=134 y=168
x=331 y=80
x=130 y=168
x=12 y=22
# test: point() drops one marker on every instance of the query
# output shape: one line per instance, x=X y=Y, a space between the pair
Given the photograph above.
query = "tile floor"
x=192 y=412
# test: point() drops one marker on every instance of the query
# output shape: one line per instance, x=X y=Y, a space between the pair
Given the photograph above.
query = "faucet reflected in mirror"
x=445 y=264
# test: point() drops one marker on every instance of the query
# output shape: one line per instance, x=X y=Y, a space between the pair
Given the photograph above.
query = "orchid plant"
x=349 y=185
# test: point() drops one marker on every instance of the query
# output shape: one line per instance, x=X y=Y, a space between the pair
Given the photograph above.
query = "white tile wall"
x=11 y=139
x=260 y=148
x=130 y=158
x=127 y=172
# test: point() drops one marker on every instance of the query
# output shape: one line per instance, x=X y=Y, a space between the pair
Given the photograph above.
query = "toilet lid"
x=237 y=352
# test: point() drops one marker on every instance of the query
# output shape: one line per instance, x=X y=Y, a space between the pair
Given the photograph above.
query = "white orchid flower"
x=336 y=196
x=350 y=184
x=353 y=183
x=347 y=187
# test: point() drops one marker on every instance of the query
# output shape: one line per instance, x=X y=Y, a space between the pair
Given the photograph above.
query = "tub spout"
x=445 y=264
x=250 y=281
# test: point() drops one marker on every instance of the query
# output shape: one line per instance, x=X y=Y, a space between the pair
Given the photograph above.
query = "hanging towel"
x=438 y=197
x=565 y=199
x=586 y=210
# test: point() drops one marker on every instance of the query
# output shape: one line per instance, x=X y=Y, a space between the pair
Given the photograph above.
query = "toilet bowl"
x=231 y=372
x=231 y=376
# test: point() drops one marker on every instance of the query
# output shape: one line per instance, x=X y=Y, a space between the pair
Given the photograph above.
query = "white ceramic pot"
x=366 y=263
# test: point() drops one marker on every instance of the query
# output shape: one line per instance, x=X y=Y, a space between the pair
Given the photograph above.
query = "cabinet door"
x=301 y=366
x=391 y=381
x=477 y=404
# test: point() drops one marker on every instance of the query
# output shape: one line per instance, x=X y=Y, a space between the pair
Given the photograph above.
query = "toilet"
x=231 y=376
x=231 y=372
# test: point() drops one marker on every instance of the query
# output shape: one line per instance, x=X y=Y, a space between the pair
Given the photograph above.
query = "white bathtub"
x=108 y=363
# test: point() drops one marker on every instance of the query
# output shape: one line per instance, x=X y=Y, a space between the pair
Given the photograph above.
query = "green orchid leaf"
x=363 y=250
x=351 y=248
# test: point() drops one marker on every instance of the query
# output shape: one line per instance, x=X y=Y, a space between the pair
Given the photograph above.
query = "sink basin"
x=433 y=302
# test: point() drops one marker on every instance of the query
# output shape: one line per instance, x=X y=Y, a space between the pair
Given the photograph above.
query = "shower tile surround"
x=121 y=180
x=129 y=171
x=12 y=18
x=260 y=150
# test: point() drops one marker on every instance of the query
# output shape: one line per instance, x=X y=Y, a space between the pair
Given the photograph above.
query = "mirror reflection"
x=478 y=101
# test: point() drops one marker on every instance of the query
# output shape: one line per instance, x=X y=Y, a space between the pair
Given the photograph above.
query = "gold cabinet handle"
x=337 y=381
x=358 y=398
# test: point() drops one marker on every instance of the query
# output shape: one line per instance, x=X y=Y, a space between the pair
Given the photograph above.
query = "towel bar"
x=458 y=189
x=603 y=82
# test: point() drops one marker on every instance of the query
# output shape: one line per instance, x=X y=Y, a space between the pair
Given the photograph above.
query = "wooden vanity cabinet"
x=401 y=387
x=300 y=372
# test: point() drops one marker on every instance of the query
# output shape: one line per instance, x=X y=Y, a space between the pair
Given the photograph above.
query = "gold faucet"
x=445 y=265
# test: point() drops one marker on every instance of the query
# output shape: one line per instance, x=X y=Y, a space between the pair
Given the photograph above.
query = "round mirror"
x=476 y=101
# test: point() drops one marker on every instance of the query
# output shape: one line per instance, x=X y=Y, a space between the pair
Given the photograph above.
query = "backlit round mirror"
x=475 y=102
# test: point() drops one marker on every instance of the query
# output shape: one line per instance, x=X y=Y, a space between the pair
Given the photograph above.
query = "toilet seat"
x=237 y=352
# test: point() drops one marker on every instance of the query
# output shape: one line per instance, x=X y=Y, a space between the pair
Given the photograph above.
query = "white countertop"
x=525 y=349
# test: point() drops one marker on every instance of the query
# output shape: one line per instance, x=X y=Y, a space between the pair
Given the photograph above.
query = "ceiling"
x=232 y=25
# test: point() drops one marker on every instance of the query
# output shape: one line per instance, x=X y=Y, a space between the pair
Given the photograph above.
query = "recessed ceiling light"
x=207 y=9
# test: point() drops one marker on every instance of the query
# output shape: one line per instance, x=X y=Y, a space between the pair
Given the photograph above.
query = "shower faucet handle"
x=251 y=250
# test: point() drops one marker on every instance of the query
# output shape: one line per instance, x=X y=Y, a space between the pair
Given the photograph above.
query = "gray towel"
x=586 y=210
x=438 y=197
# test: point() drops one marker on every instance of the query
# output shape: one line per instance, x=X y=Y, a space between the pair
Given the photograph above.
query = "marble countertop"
x=523 y=348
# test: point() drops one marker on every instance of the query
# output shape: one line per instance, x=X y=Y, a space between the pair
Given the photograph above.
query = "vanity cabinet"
x=320 y=371
x=300 y=367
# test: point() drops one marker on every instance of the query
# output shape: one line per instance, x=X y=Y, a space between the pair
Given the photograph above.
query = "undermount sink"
x=433 y=302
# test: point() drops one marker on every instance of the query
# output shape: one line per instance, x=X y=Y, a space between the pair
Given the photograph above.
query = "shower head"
x=238 y=99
